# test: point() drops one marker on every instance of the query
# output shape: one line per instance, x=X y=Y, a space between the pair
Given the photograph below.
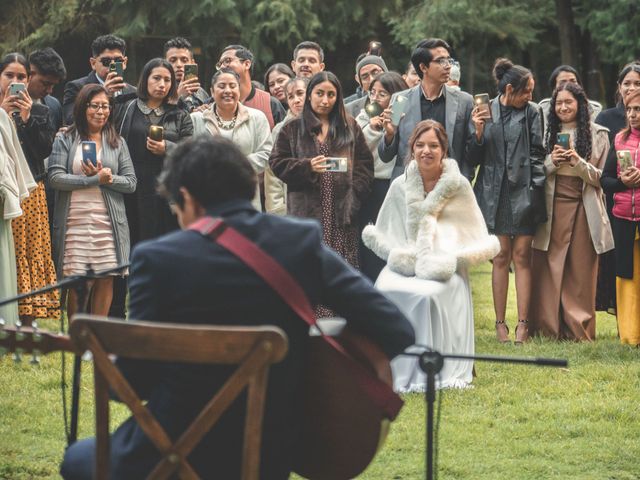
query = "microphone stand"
x=79 y=282
x=431 y=363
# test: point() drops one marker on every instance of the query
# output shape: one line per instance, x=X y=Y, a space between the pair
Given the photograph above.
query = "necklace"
x=225 y=124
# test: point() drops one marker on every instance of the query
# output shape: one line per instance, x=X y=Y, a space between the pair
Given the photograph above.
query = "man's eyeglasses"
x=444 y=61
x=225 y=62
x=99 y=106
x=106 y=61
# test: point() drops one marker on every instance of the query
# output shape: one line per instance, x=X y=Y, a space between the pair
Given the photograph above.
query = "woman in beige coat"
x=247 y=127
x=566 y=247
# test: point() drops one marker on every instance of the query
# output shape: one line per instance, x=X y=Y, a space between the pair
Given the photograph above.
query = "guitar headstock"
x=21 y=340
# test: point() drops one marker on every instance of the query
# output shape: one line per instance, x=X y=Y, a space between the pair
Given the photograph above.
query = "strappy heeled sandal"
x=522 y=332
x=502 y=331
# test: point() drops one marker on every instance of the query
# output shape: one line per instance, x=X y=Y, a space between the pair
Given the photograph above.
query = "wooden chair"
x=253 y=349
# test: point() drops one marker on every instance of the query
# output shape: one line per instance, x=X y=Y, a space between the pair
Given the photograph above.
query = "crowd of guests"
x=411 y=179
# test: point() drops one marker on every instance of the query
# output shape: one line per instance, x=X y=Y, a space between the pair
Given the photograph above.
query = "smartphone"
x=624 y=159
x=564 y=140
x=156 y=132
x=375 y=48
x=89 y=153
x=117 y=67
x=16 y=88
x=398 y=108
x=482 y=102
x=190 y=71
x=373 y=109
x=336 y=164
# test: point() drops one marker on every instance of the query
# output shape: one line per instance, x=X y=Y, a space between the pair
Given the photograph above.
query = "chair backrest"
x=253 y=349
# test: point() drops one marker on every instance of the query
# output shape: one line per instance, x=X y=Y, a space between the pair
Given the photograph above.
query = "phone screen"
x=89 y=153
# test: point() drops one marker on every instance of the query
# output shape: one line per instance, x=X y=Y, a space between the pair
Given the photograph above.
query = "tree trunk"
x=566 y=32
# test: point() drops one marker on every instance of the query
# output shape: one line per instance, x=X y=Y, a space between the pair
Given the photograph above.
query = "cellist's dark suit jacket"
x=185 y=277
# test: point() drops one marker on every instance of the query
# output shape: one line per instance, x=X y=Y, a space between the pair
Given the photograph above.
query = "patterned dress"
x=342 y=239
x=32 y=238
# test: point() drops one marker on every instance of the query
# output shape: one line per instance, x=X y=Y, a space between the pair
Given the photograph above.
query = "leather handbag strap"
x=291 y=293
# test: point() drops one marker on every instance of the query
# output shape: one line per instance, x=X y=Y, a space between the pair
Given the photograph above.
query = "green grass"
x=517 y=422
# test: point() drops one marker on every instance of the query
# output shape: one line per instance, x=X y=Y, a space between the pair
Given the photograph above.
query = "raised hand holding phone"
x=318 y=164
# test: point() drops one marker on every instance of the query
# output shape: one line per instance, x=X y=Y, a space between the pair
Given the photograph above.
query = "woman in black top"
x=508 y=147
x=148 y=214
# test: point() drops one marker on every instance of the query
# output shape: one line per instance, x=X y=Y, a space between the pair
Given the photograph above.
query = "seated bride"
x=429 y=231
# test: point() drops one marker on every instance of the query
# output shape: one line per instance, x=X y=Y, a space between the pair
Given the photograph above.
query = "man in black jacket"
x=186 y=277
x=105 y=50
x=46 y=70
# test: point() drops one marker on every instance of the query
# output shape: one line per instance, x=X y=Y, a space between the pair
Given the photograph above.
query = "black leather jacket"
x=523 y=165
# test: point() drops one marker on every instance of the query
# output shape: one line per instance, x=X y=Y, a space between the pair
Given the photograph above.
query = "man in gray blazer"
x=430 y=99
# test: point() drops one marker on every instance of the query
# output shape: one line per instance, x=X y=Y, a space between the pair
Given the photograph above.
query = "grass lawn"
x=518 y=422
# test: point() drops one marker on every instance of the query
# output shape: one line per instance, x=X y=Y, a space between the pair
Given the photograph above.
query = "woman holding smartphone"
x=31 y=232
x=615 y=120
x=299 y=158
x=90 y=227
x=509 y=187
x=566 y=247
x=623 y=181
x=371 y=120
x=149 y=214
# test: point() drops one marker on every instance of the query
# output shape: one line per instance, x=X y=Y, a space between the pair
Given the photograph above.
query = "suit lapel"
x=451 y=110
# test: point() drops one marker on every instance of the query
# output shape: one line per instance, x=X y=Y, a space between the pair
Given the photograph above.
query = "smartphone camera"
x=375 y=48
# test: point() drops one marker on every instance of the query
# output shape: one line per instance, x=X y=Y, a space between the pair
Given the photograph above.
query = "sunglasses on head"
x=106 y=61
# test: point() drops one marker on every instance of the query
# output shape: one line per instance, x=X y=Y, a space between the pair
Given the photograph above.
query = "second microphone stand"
x=431 y=363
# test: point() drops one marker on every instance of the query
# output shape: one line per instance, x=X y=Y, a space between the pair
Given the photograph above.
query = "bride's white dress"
x=442 y=316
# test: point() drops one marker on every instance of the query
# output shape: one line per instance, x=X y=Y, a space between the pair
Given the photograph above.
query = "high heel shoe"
x=522 y=332
x=502 y=331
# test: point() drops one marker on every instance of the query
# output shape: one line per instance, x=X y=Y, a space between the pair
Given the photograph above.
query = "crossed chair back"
x=253 y=349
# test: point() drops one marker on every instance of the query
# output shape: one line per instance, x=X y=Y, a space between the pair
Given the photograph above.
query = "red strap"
x=290 y=291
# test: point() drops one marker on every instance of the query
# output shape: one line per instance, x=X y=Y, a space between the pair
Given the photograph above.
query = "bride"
x=429 y=231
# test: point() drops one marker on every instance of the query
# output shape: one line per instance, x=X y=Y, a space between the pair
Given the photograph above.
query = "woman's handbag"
x=348 y=401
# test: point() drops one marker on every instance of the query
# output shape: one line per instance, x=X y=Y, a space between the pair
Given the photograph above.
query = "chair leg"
x=102 y=425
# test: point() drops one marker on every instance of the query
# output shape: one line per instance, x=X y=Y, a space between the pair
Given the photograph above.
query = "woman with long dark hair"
x=509 y=187
x=615 y=120
x=149 y=214
x=31 y=232
x=566 y=247
x=307 y=147
x=89 y=223
x=622 y=179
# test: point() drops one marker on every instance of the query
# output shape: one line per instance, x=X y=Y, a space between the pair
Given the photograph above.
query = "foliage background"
x=596 y=38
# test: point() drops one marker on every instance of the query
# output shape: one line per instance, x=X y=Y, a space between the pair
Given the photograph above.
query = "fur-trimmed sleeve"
x=388 y=238
x=286 y=165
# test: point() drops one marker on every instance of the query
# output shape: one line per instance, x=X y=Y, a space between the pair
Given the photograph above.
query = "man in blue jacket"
x=188 y=278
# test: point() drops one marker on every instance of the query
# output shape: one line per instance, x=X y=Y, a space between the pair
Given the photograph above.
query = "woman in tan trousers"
x=566 y=247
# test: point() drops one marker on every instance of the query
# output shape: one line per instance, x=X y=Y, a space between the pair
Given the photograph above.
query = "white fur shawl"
x=430 y=236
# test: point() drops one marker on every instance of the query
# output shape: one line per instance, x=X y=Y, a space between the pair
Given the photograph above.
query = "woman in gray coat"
x=507 y=144
x=90 y=227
